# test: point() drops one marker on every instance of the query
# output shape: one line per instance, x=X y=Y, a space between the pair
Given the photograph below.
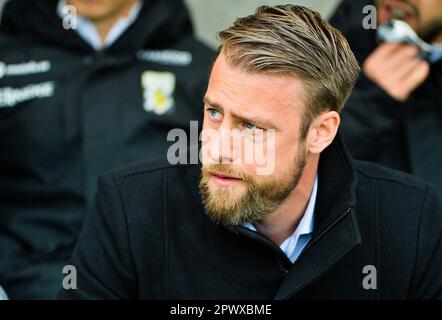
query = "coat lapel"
x=322 y=253
x=336 y=231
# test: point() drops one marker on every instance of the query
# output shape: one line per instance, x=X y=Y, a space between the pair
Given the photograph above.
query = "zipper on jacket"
x=323 y=232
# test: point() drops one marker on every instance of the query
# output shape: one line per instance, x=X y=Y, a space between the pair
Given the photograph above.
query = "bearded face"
x=424 y=16
x=251 y=122
x=232 y=197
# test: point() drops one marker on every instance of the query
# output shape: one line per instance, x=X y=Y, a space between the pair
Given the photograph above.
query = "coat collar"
x=336 y=230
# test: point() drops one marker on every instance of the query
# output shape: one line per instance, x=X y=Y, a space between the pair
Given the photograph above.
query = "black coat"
x=148 y=237
x=75 y=114
x=403 y=136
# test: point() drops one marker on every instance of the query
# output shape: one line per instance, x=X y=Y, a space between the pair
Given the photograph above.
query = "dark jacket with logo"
x=69 y=113
x=377 y=235
x=403 y=136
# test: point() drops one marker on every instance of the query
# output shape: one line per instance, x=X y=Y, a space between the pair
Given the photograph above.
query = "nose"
x=224 y=145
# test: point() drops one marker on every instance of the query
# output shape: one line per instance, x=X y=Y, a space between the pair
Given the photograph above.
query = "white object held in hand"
x=399 y=31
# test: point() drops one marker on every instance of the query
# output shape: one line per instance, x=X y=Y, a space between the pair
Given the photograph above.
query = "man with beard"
x=321 y=225
x=394 y=115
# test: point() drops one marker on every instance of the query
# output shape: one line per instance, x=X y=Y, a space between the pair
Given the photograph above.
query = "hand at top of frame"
x=397 y=69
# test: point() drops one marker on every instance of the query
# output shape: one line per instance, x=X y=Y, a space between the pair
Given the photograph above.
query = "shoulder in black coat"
x=149 y=238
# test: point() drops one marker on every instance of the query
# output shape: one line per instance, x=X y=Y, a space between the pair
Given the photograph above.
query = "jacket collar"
x=336 y=231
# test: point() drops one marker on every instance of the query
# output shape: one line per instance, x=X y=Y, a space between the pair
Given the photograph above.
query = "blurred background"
x=211 y=16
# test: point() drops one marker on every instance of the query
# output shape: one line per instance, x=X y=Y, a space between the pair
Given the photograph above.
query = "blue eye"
x=214 y=115
x=251 y=126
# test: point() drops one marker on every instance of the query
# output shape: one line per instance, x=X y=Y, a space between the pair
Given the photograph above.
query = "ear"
x=322 y=131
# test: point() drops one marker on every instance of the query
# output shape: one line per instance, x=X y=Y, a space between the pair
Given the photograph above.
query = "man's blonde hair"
x=294 y=40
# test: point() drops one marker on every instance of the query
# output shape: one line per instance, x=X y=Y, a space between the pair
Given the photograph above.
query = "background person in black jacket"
x=394 y=115
x=80 y=95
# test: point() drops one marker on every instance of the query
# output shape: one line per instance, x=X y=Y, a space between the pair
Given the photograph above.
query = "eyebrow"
x=260 y=122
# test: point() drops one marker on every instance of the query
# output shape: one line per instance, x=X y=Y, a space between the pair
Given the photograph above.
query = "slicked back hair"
x=294 y=40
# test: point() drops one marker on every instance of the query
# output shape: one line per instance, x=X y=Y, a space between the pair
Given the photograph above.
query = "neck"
x=280 y=224
x=105 y=24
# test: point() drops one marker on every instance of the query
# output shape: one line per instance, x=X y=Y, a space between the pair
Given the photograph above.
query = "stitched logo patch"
x=159 y=88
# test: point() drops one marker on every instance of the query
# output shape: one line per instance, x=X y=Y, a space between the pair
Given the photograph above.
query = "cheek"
x=206 y=122
x=206 y=137
x=431 y=13
x=271 y=158
x=286 y=154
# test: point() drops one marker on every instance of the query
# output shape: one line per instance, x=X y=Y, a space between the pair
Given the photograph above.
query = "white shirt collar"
x=293 y=245
x=86 y=29
x=305 y=226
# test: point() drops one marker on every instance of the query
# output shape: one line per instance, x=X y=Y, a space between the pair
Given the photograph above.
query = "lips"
x=224 y=176
x=225 y=180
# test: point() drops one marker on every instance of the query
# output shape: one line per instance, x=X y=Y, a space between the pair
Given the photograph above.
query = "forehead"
x=266 y=94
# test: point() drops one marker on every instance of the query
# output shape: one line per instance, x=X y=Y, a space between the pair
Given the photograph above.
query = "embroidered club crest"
x=158 y=89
